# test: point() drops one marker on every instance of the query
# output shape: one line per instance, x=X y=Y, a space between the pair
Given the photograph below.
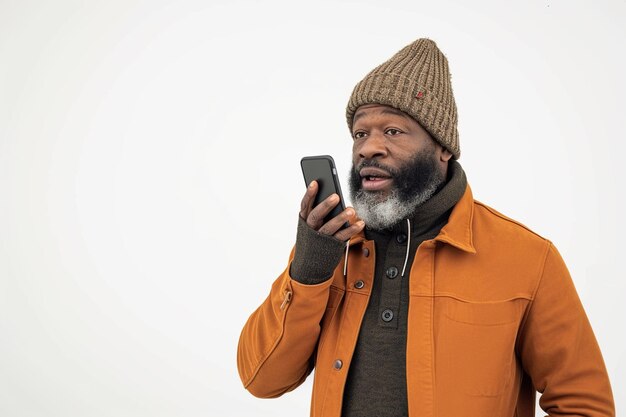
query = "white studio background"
x=150 y=182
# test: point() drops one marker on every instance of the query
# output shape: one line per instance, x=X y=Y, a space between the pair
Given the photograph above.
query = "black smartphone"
x=322 y=169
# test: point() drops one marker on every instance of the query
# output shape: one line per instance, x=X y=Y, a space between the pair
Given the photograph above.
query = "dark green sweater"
x=376 y=384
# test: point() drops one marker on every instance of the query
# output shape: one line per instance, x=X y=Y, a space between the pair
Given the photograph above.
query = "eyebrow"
x=386 y=110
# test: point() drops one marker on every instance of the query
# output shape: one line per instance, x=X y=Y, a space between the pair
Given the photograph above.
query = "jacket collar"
x=458 y=231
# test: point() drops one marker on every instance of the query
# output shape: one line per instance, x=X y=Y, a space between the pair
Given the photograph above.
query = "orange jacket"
x=493 y=318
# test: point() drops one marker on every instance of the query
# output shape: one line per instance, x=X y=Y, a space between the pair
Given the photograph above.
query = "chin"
x=379 y=195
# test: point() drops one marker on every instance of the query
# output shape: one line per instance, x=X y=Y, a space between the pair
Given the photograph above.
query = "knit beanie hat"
x=416 y=80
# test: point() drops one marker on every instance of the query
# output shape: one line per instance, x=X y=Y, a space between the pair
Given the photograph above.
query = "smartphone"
x=322 y=169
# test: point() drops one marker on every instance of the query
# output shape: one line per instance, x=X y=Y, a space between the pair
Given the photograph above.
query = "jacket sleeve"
x=559 y=350
x=277 y=343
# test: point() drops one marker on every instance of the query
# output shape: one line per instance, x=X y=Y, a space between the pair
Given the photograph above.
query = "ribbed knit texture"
x=415 y=80
x=317 y=255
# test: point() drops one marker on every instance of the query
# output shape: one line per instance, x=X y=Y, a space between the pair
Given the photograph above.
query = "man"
x=437 y=305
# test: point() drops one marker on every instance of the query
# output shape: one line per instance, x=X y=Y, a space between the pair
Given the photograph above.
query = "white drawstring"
x=345 y=261
x=408 y=246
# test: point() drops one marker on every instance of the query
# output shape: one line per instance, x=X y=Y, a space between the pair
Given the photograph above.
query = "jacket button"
x=338 y=364
x=387 y=315
x=366 y=252
x=392 y=272
x=401 y=238
x=359 y=284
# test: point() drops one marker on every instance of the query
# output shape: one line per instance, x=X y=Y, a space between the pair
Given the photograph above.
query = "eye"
x=393 y=131
x=358 y=135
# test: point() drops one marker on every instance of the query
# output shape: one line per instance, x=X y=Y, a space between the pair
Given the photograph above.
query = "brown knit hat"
x=416 y=80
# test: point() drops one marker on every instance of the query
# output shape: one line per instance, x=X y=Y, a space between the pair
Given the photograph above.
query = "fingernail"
x=350 y=212
x=311 y=184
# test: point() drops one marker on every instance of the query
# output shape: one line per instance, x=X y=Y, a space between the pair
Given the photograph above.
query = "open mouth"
x=375 y=179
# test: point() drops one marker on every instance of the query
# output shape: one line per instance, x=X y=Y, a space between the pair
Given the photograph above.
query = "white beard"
x=381 y=215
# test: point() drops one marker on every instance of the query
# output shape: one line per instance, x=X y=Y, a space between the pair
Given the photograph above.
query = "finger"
x=316 y=216
x=306 y=205
x=335 y=224
x=351 y=231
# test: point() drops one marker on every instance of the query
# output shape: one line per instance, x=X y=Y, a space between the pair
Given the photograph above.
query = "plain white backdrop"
x=150 y=182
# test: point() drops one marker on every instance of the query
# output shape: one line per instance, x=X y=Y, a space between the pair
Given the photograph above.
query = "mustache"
x=375 y=164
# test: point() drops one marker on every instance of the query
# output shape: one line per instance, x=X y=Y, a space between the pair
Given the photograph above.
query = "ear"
x=445 y=155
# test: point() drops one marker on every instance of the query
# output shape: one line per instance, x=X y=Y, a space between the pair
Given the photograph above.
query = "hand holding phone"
x=322 y=205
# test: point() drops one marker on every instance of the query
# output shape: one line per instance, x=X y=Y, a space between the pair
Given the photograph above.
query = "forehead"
x=368 y=110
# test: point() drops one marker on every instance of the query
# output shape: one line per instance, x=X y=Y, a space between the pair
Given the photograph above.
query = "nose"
x=374 y=146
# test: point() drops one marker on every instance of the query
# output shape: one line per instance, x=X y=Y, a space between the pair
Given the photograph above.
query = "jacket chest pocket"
x=475 y=346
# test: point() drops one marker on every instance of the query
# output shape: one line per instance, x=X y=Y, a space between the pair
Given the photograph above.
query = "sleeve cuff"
x=316 y=256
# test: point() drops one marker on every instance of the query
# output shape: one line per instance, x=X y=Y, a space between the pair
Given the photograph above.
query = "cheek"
x=402 y=151
x=355 y=151
x=413 y=146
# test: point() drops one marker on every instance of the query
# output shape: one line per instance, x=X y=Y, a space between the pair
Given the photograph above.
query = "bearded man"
x=430 y=303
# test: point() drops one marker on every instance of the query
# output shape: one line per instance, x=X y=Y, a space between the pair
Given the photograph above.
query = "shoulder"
x=490 y=221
